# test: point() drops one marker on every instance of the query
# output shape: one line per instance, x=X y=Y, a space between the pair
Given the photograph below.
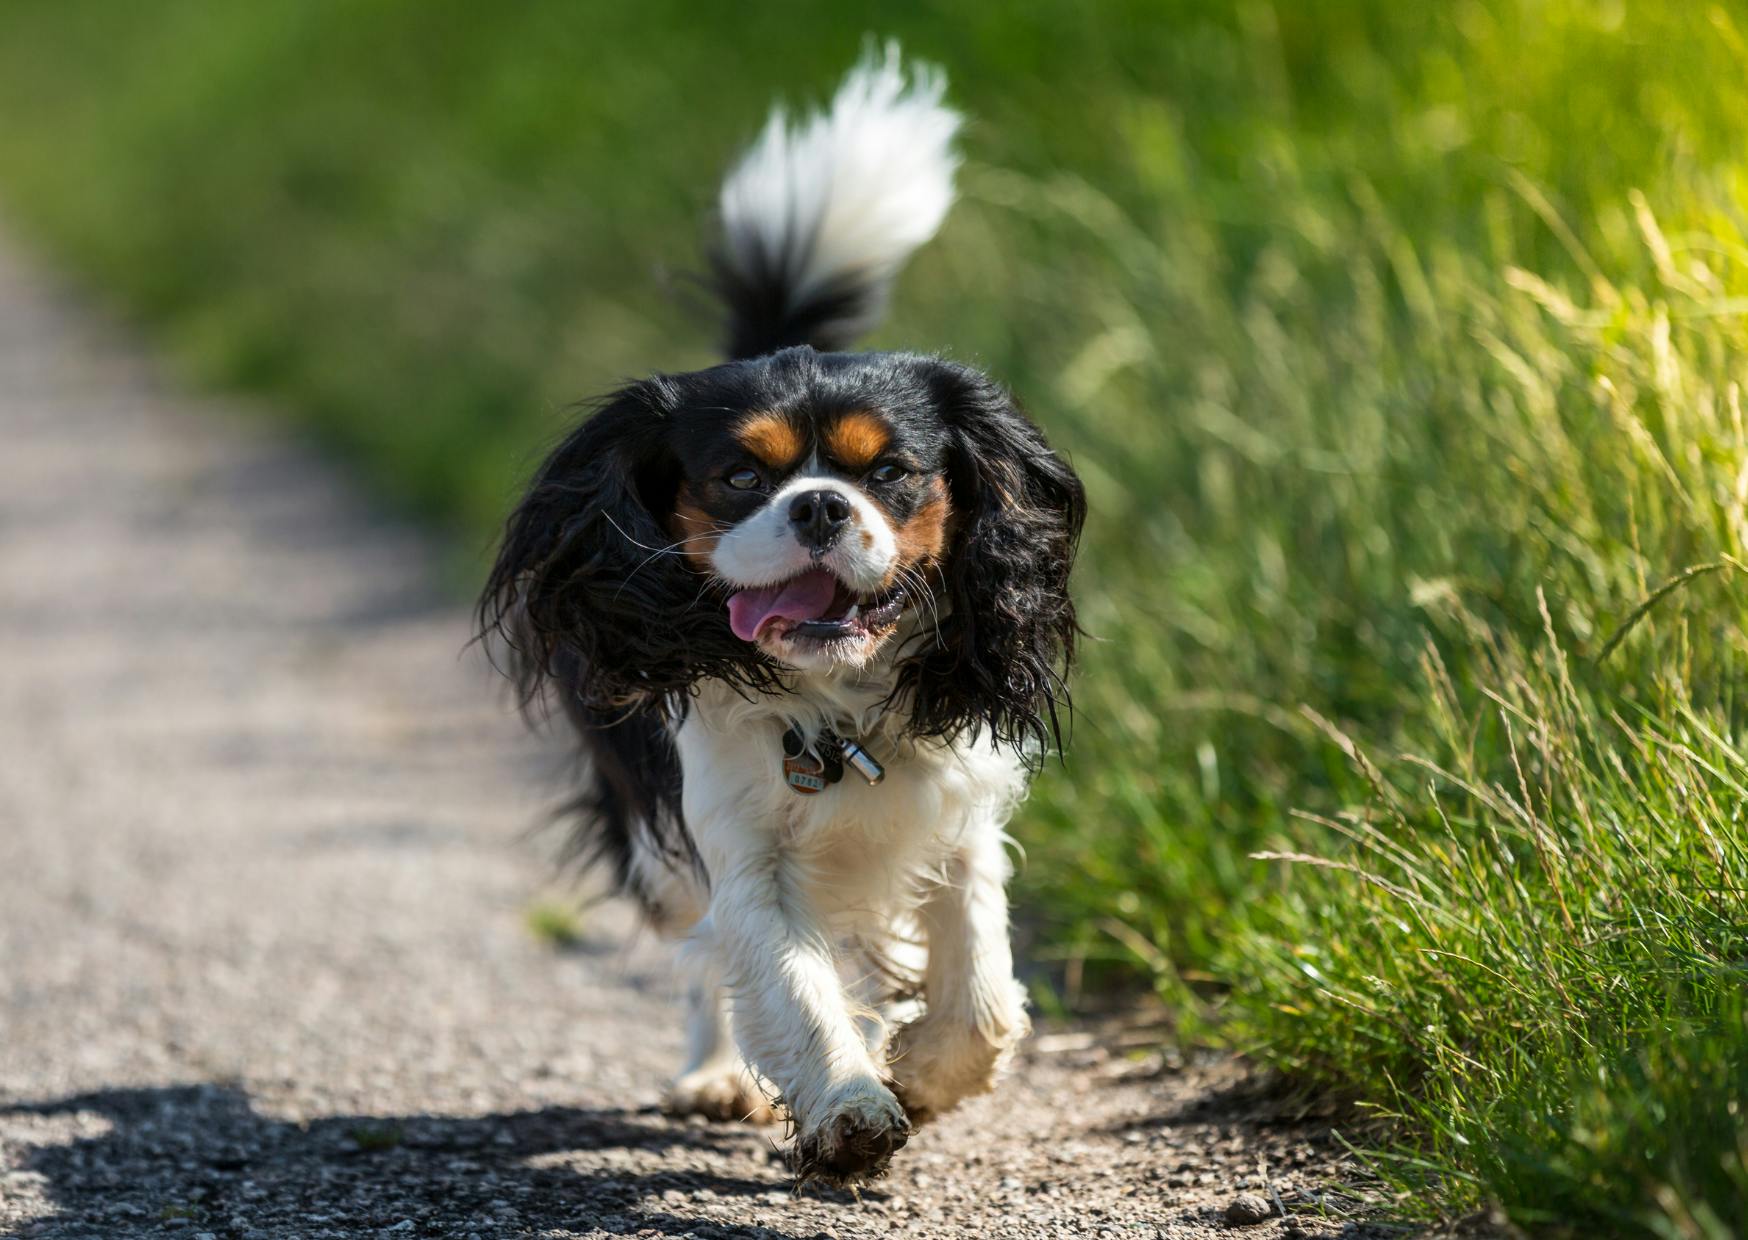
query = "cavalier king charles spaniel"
x=808 y=612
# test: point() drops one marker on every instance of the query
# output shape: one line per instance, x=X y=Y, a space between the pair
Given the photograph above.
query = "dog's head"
x=801 y=511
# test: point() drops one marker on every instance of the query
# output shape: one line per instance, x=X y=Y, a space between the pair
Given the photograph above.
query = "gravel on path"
x=265 y=964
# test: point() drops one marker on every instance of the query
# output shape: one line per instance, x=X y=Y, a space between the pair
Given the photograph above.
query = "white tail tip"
x=823 y=212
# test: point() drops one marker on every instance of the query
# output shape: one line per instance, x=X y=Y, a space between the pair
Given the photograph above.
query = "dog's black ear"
x=587 y=596
x=1007 y=635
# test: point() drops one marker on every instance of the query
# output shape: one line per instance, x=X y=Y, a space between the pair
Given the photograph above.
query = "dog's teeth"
x=851 y=614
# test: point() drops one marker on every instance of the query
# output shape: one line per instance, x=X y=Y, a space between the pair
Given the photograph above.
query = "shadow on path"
x=199 y=1159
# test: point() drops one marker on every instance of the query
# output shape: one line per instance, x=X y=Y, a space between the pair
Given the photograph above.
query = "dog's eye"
x=743 y=479
x=888 y=473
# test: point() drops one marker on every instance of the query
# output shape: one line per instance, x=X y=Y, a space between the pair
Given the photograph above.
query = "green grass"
x=1400 y=347
x=555 y=923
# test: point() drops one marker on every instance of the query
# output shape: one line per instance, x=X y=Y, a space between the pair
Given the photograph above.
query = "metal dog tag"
x=862 y=761
x=805 y=771
x=806 y=774
x=812 y=771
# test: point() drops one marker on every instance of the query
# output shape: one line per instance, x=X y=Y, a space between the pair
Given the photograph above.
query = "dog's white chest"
x=862 y=843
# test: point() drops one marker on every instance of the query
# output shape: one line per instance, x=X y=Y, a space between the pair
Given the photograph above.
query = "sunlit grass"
x=554 y=923
x=1401 y=348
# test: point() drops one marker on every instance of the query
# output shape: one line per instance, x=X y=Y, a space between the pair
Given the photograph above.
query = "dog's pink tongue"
x=806 y=597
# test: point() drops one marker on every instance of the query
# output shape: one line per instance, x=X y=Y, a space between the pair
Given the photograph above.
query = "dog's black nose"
x=819 y=517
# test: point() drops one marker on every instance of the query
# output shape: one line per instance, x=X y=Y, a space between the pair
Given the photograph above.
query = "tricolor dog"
x=808 y=612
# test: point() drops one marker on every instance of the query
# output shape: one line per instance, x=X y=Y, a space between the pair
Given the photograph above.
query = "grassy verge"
x=1400 y=346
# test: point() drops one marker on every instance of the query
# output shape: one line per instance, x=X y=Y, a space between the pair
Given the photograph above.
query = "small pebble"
x=1247 y=1208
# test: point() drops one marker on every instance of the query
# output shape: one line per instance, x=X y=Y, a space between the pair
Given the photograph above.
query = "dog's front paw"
x=861 y=1127
x=936 y=1064
x=721 y=1094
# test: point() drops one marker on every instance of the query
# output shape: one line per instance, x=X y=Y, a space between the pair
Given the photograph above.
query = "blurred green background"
x=1400 y=347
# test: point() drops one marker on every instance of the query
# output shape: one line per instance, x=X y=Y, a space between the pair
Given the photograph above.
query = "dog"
x=808 y=612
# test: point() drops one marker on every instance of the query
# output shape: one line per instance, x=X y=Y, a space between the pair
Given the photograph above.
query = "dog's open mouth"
x=814 y=605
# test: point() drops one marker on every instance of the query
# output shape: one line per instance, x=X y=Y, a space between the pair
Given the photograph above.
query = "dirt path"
x=265 y=967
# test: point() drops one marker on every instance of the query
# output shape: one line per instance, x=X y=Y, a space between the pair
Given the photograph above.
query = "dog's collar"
x=810 y=770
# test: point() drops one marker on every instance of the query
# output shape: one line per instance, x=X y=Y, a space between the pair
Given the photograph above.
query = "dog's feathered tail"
x=819 y=215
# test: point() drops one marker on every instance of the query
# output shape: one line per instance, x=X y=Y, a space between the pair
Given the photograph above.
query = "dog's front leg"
x=975 y=1011
x=793 y=1019
x=715 y=1081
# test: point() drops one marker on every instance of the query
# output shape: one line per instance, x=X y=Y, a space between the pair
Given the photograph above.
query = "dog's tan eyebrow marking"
x=773 y=439
x=857 y=439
